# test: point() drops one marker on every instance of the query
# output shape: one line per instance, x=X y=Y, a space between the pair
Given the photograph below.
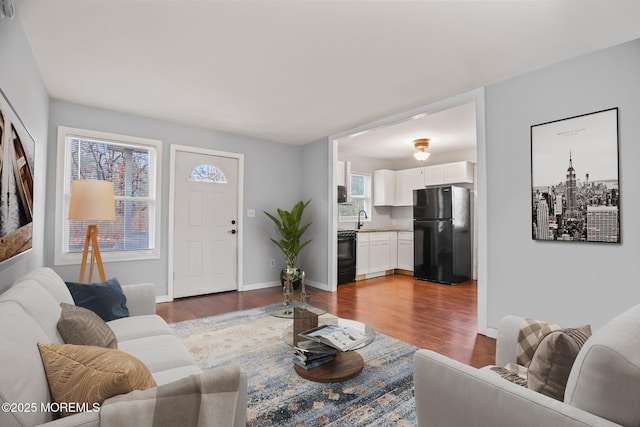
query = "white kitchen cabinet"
x=362 y=253
x=384 y=187
x=458 y=172
x=434 y=175
x=395 y=188
x=448 y=173
x=393 y=249
x=379 y=251
x=340 y=171
x=407 y=180
x=405 y=250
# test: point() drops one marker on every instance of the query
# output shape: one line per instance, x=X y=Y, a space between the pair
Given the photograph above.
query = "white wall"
x=569 y=283
x=22 y=84
x=272 y=180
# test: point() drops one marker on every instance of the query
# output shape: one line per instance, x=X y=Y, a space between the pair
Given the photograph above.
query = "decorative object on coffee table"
x=305 y=294
x=288 y=295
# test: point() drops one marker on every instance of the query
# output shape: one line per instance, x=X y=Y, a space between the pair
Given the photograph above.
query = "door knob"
x=233 y=232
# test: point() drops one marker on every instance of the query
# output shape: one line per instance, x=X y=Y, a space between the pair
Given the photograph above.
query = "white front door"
x=205 y=239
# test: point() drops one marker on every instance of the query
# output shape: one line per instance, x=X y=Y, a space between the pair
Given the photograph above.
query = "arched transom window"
x=207 y=174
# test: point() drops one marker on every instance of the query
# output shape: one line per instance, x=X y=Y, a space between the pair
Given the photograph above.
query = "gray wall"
x=314 y=259
x=22 y=84
x=564 y=282
x=380 y=217
x=272 y=180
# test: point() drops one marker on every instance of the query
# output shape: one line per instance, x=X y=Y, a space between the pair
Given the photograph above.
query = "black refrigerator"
x=442 y=234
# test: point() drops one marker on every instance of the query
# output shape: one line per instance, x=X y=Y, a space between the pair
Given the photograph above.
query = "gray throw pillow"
x=80 y=326
x=551 y=363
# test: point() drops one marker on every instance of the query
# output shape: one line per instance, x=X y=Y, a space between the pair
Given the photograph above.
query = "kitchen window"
x=360 y=199
x=133 y=165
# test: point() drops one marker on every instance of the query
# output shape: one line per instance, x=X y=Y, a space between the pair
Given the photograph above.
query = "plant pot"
x=296 y=283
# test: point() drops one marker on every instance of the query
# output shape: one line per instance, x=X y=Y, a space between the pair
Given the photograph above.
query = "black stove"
x=346 y=256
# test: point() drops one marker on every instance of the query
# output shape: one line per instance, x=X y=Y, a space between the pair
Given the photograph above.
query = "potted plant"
x=291 y=231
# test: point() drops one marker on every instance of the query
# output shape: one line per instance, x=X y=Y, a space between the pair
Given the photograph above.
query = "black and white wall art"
x=17 y=152
x=574 y=179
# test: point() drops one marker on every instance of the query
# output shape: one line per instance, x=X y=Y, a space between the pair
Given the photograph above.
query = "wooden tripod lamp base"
x=92 y=200
x=91 y=238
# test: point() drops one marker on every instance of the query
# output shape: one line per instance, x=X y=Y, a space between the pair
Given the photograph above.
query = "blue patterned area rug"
x=382 y=395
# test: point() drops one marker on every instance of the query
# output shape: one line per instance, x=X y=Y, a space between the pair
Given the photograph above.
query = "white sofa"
x=29 y=312
x=603 y=388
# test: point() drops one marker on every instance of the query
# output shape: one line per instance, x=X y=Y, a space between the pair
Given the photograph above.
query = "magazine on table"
x=310 y=350
x=341 y=337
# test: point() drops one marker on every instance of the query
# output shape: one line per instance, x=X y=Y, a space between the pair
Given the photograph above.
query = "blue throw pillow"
x=106 y=299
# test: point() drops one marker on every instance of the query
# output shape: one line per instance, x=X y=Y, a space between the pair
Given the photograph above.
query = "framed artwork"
x=17 y=152
x=575 y=194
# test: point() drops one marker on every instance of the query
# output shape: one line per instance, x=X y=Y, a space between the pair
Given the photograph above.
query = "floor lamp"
x=92 y=200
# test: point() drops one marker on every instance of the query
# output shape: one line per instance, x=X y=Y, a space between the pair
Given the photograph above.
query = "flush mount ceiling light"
x=421 y=145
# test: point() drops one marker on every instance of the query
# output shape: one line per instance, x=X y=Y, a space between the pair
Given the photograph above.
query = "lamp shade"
x=421 y=155
x=92 y=200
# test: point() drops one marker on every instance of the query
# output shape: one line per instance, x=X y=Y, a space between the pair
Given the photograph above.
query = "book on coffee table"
x=340 y=337
x=313 y=363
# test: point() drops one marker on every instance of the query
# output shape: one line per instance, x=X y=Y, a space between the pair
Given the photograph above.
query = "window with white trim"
x=132 y=164
x=360 y=199
x=207 y=174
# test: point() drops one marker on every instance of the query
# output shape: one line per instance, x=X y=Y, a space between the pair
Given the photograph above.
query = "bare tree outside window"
x=128 y=168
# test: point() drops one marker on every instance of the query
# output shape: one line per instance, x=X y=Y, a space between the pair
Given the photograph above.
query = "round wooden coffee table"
x=345 y=366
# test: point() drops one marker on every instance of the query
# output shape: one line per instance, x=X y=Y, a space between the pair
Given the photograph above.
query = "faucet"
x=365 y=216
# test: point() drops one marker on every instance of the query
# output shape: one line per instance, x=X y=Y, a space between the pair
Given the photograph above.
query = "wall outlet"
x=273 y=263
x=251 y=213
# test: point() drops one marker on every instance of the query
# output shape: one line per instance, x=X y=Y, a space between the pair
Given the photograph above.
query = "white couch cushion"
x=605 y=377
x=129 y=328
x=22 y=377
x=51 y=282
x=39 y=304
x=158 y=353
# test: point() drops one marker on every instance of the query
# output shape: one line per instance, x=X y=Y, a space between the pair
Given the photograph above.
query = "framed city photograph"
x=17 y=152
x=575 y=194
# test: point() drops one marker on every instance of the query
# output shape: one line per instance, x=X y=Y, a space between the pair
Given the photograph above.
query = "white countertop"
x=381 y=230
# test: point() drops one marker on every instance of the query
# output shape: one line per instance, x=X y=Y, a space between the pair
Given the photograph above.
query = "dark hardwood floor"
x=428 y=315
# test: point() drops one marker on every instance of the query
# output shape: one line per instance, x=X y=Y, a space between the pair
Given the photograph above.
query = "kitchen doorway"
x=476 y=98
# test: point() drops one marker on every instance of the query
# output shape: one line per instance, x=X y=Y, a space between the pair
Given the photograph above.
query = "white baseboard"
x=254 y=286
x=489 y=332
x=321 y=286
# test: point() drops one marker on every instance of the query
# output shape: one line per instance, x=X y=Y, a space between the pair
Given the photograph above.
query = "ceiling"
x=450 y=130
x=298 y=71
